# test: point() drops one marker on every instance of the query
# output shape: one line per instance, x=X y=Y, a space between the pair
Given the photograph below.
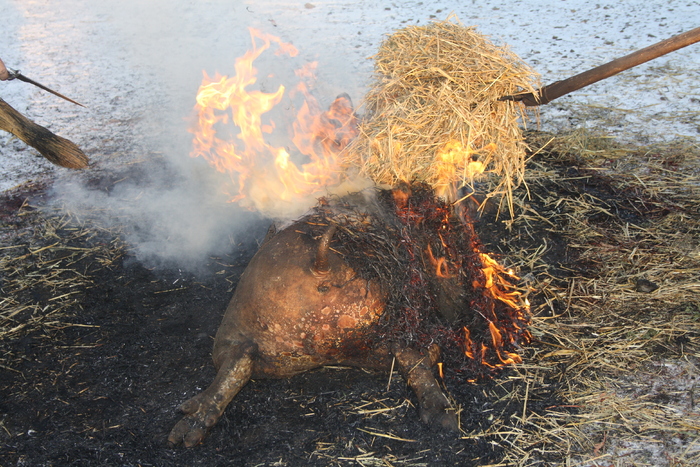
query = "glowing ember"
x=232 y=135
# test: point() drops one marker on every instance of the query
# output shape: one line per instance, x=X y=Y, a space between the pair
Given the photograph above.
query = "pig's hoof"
x=439 y=412
x=445 y=419
x=188 y=432
x=199 y=417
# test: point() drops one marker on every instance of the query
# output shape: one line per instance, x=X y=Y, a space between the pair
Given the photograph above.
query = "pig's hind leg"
x=434 y=407
x=203 y=410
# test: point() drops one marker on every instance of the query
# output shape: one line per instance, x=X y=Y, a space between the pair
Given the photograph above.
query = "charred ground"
x=100 y=384
x=99 y=350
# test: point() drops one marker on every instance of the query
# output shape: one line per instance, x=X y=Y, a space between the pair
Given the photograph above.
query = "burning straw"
x=434 y=115
x=442 y=288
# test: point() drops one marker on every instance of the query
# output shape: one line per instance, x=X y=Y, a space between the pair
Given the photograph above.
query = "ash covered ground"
x=99 y=383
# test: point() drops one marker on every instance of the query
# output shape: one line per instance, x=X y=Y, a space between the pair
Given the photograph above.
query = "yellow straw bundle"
x=433 y=113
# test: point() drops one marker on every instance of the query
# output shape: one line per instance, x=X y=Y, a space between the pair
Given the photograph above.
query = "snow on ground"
x=137 y=65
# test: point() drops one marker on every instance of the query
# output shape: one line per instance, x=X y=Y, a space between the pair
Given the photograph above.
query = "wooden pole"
x=4 y=74
x=560 y=88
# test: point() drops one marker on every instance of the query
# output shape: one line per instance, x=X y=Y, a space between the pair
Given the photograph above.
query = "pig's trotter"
x=204 y=409
x=435 y=408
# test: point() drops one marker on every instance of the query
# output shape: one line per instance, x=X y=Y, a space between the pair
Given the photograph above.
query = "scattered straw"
x=434 y=114
x=387 y=435
x=46 y=269
x=615 y=257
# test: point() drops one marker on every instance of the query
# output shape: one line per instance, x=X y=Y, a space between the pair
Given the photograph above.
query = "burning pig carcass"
x=363 y=287
x=388 y=276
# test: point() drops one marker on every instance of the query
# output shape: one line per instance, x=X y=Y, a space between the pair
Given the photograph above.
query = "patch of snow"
x=137 y=65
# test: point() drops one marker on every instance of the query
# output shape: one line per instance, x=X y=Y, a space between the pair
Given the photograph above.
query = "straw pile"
x=433 y=113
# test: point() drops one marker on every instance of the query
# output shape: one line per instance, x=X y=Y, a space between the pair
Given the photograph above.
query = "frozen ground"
x=137 y=65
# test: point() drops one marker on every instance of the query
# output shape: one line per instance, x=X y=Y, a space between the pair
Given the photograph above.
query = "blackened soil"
x=103 y=388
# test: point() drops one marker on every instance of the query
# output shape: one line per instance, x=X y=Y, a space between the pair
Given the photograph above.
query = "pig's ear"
x=321 y=266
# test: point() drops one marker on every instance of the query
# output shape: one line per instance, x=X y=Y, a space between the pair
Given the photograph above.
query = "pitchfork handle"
x=560 y=88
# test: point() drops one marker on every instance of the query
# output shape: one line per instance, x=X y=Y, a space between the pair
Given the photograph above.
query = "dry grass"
x=618 y=324
x=45 y=269
x=434 y=115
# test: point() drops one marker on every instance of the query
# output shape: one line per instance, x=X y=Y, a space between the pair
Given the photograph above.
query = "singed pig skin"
x=287 y=317
x=299 y=319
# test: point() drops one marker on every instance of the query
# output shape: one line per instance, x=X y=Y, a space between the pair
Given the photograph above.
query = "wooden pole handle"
x=4 y=74
x=555 y=90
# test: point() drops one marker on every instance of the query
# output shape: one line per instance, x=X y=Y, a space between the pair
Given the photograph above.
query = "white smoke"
x=147 y=59
x=164 y=215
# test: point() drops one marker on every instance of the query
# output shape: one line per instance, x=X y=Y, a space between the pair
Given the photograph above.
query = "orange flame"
x=441 y=265
x=495 y=285
x=498 y=345
x=458 y=164
x=468 y=343
x=266 y=177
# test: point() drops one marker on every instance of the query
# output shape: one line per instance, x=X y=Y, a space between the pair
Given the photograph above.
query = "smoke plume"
x=169 y=206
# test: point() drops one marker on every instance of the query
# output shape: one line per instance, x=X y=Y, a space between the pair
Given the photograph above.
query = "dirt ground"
x=99 y=349
x=99 y=382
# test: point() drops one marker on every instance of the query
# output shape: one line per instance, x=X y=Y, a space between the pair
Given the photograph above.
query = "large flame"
x=233 y=135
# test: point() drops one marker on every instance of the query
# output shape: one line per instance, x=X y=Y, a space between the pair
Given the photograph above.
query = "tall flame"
x=232 y=135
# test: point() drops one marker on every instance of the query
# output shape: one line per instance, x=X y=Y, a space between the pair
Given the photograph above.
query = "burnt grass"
x=103 y=387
